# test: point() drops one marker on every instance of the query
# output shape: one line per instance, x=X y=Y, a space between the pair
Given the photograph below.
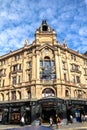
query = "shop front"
x=49 y=107
x=11 y=113
x=76 y=108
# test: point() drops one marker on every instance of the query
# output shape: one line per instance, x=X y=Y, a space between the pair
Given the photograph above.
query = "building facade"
x=42 y=79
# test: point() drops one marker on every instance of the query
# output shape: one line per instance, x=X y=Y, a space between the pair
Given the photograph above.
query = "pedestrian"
x=22 y=121
x=51 y=121
x=71 y=118
x=58 y=121
x=40 y=120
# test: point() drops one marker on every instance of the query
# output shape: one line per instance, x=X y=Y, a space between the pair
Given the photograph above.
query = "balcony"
x=15 y=71
x=46 y=82
x=75 y=70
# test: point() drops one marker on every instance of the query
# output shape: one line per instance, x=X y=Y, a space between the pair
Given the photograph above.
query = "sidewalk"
x=73 y=126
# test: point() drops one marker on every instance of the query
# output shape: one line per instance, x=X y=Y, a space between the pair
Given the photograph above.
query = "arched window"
x=29 y=94
x=67 y=93
x=19 y=95
x=79 y=93
x=13 y=93
x=47 y=69
x=48 y=92
x=2 y=97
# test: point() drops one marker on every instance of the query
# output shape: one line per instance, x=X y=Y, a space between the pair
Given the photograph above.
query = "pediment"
x=46 y=46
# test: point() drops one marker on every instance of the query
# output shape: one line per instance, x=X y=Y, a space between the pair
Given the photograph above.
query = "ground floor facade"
x=11 y=112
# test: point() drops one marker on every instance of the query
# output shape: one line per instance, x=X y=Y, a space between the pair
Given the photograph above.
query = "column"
x=60 y=66
x=57 y=66
x=38 y=66
x=33 y=67
x=9 y=116
x=68 y=67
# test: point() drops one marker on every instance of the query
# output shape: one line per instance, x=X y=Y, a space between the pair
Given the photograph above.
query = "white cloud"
x=83 y=31
x=20 y=19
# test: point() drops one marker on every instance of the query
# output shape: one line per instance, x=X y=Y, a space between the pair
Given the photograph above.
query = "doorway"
x=47 y=113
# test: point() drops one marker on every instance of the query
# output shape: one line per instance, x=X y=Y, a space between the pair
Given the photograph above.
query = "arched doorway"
x=48 y=105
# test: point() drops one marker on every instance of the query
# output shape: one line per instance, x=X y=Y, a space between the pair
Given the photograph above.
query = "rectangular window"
x=15 y=58
x=53 y=76
x=41 y=63
x=65 y=78
x=78 y=79
x=0 y=82
x=47 y=63
x=52 y=63
x=20 y=68
x=29 y=77
x=73 y=79
x=63 y=65
x=3 y=83
x=14 y=80
x=19 y=79
x=13 y=95
x=29 y=64
x=15 y=67
x=1 y=72
x=86 y=81
x=73 y=57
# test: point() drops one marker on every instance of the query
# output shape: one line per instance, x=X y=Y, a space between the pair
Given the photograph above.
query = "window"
x=2 y=97
x=3 y=83
x=73 y=79
x=53 y=76
x=19 y=79
x=73 y=57
x=41 y=63
x=1 y=72
x=45 y=28
x=80 y=93
x=17 y=57
x=86 y=81
x=29 y=64
x=14 y=80
x=13 y=95
x=63 y=65
x=19 y=93
x=85 y=62
x=48 y=92
x=47 y=71
x=78 y=79
x=20 y=68
x=29 y=94
x=52 y=63
x=66 y=93
x=85 y=71
x=0 y=82
x=74 y=67
x=29 y=77
x=15 y=67
x=65 y=78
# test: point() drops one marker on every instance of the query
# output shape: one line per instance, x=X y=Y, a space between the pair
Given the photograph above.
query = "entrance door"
x=47 y=113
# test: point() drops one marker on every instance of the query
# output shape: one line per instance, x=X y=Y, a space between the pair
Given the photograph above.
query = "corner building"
x=42 y=79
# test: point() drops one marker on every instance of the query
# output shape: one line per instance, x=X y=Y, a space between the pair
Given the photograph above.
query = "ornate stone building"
x=42 y=79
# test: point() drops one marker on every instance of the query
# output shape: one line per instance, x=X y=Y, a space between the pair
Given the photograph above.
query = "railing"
x=46 y=81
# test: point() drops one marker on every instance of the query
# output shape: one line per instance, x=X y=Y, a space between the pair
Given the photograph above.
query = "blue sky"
x=19 y=20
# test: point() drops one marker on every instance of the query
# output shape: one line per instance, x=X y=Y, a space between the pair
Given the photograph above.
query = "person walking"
x=51 y=121
x=22 y=121
x=58 y=121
